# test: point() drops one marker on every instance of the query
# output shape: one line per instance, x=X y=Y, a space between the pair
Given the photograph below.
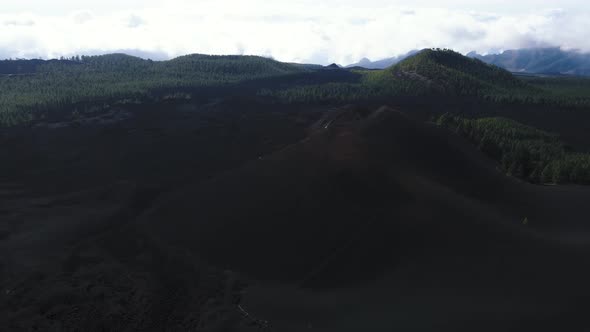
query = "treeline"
x=567 y=91
x=118 y=77
x=369 y=85
x=332 y=92
x=523 y=151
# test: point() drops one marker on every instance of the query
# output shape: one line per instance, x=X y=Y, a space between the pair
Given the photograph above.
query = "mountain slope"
x=373 y=195
x=445 y=72
x=349 y=219
x=442 y=64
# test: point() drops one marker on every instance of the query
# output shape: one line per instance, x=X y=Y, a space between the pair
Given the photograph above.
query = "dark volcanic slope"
x=69 y=189
x=425 y=234
x=368 y=221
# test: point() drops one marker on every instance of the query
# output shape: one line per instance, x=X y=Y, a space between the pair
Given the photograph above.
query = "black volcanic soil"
x=70 y=189
x=352 y=219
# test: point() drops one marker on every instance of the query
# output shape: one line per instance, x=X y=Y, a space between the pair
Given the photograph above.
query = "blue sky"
x=312 y=31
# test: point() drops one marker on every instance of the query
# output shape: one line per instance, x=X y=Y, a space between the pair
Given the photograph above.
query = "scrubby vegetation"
x=523 y=151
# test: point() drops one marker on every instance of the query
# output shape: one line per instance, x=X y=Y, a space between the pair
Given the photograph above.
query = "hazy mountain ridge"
x=383 y=63
x=528 y=60
x=540 y=61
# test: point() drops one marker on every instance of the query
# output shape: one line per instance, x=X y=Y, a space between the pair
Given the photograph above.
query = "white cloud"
x=81 y=17
x=134 y=21
x=298 y=30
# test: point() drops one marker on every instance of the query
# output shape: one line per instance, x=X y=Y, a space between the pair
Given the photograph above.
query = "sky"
x=305 y=31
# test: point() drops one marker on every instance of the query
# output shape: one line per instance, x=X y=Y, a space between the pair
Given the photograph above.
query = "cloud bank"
x=296 y=31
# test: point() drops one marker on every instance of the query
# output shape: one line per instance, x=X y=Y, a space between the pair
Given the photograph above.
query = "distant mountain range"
x=553 y=61
x=540 y=61
x=382 y=64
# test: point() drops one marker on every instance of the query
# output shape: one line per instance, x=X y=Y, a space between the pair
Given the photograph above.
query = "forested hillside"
x=119 y=77
x=429 y=72
x=30 y=90
x=523 y=151
x=564 y=90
